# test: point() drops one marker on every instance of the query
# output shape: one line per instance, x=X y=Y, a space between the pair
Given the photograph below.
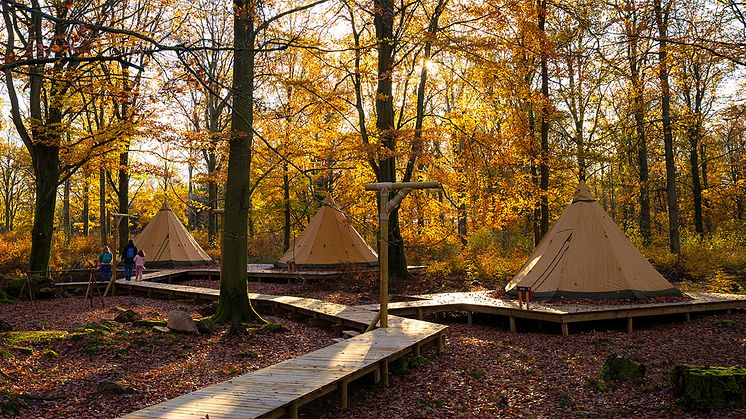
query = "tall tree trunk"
x=103 y=216
x=384 y=24
x=46 y=161
x=544 y=164
x=66 y=223
x=212 y=199
x=661 y=17
x=705 y=186
x=696 y=185
x=235 y=306
x=123 y=198
x=86 y=204
x=286 y=205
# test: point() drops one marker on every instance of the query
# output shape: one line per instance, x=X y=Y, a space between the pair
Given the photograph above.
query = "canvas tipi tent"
x=167 y=243
x=329 y=241
x=585 y=255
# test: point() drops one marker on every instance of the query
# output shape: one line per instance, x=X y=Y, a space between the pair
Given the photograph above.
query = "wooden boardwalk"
x=279 y=390
x=563 y=314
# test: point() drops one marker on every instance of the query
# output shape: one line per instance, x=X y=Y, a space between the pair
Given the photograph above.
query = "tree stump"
x=705 y=388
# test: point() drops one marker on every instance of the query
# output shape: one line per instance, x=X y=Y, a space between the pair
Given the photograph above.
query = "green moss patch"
x=33 y=337
x=619 y=367
x=706 y=388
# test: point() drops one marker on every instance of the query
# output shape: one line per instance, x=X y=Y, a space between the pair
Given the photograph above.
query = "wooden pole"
x=383 y=258
x=385 y=209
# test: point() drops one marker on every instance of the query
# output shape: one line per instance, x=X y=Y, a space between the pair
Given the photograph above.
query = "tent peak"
x=583 y=193
x=328 y=200
x=166 y=206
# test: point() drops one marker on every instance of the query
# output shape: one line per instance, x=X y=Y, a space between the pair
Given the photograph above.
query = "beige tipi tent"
x=329 y=241
x=167 y=243
x=585 y=255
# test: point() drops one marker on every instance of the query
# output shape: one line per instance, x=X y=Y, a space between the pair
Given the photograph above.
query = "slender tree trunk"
x=235 y=306
x=286 y=205
x=544 y=164
x=705 y=186
x=66 y=224
x=103 y=218
x=212 y=199
x=123 y=198
x=661 y=17
x=696 y=185
x=86 y=204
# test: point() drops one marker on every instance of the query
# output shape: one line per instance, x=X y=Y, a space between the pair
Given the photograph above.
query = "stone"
x=617 y=367
x=5 y=326
x=181 y=321
x=107 y=386
x=137 y=302
x=161 y=329
x=206 y=325
x=127 y=316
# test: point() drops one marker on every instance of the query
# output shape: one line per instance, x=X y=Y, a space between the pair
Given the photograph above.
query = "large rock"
x=127 y=316
x=181 y=321
x=618 y=367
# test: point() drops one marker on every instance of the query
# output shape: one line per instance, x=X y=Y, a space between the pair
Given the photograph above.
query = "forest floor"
x=55 y=371
x=485 y=371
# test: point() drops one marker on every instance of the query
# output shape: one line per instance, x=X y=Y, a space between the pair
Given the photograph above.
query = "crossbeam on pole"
x=386 y=207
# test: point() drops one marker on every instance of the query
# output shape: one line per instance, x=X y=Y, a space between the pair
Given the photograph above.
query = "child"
x=139 y=265
x=104 y=261
x=128 y=257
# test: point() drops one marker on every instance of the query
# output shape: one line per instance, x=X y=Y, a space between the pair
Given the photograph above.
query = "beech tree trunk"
x=103 y=219
x=544 y=164
x=86 y=204
x=234 y=306
x=384 y=24
x=46 y=161
x=123 y=191
x=661 y=17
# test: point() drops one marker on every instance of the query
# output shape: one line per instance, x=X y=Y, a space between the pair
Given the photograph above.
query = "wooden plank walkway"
x=279 y=390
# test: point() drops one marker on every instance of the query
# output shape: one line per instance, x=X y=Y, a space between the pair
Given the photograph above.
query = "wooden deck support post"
x=386 y=207
x=377 y=375
x=441 y=343
x=630 y=325
x=343 y=393
x=469 y=318
x=420 y=313
x=687 y=317
x=513 y=328
x=385 y=372
x=565 y=330
x=293 y=409
x=417 y=350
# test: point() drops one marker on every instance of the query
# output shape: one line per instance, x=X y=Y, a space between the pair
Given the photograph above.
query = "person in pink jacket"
x=139 y=265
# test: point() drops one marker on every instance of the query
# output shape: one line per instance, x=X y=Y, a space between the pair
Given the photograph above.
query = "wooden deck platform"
x=563 y=314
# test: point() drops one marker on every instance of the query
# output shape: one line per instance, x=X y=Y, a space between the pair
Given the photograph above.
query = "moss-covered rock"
x=705 y=388
x=149 y=323
x=619 y=367
x=205 y=325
